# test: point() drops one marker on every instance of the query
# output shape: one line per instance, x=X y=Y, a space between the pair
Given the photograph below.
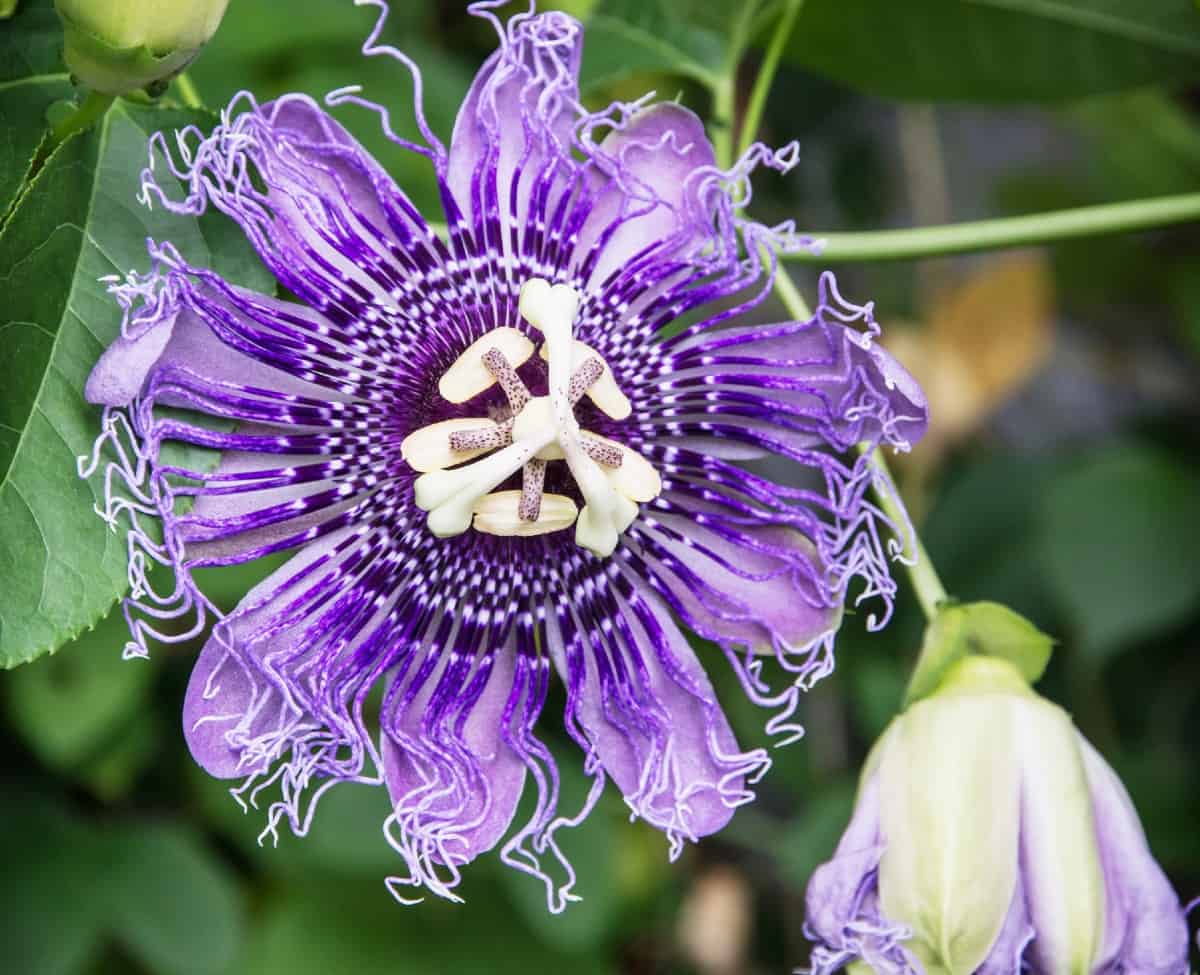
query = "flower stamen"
x=539 y=429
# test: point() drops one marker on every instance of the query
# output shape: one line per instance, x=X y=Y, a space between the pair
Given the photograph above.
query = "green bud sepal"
x=117 y=70
x=119 y=46
x=977 y=629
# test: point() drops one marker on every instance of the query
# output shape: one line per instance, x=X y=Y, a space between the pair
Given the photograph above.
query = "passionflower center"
x=540 y=429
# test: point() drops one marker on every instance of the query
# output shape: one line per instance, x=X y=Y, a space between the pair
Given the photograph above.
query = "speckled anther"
x=539 y=429
x=603 y=452
x=584 y=378
x=481 y=438
x=533 y=477
x=500 y=368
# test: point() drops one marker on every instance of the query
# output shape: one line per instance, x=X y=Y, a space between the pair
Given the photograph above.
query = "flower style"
x=991 y=837
x=468 y=515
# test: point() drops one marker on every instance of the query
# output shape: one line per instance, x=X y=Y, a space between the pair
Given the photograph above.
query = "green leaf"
x=339 y=927
x=60 y=567
x=346 y=836
x=630 y=37
x=999 y=50
x=68 y=884
x=23 y=106
x=69 y=710
x=809 y=839
x=31 y=42
x=1142 y=144
x=876 y=689
x=993 y=630
x=982 y=534
x=1121 y=535
x=32 y=78
x=943 y=646
x=173 y=905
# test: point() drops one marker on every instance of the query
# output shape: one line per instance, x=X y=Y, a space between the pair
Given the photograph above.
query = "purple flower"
x=990 y=837
x=602 y=493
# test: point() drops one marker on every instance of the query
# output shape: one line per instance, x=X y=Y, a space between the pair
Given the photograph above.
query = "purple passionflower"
x=469 y=516
x=990 y=837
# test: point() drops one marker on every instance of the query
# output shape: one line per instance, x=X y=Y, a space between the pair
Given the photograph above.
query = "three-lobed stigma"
x=612 y=478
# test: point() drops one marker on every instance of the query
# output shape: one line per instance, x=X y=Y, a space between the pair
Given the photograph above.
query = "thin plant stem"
x=766 y=75
x=90 y=110
x=724 y=88
x=789 y=294
x=188 y=93
x=1039 y=228
x=722 y=122
x=926 y=583
x=921 y=573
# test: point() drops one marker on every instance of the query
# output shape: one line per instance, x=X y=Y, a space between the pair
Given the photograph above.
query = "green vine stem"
x=188 y=93
x=926 y=583
x=724 y=87
x=929 y=589
x=83 y=116
x=93 y=106
x=1039 y=228
x=766 y=75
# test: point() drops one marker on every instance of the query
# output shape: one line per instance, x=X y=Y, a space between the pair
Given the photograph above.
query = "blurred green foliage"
x=1078 y=504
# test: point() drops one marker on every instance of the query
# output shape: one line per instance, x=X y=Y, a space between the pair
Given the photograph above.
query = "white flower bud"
x=990 y=837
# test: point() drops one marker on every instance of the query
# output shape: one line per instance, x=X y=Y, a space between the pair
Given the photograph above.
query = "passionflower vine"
x=989 y=836
x=517 y=450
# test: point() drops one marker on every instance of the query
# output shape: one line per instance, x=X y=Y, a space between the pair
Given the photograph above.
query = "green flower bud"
x=118 y=46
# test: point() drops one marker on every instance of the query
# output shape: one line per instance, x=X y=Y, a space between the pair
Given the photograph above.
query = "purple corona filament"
x=310 y=401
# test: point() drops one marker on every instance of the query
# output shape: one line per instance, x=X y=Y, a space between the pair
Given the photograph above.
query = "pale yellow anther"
x=497 y=514
x=636 y=478
x=604 y=392
x=428 y=449
x=468 y=376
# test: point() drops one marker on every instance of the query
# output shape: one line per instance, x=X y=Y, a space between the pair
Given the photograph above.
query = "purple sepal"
x=843 y=917
x=1145 y=931
x=1006 y=956
x=453 y=779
